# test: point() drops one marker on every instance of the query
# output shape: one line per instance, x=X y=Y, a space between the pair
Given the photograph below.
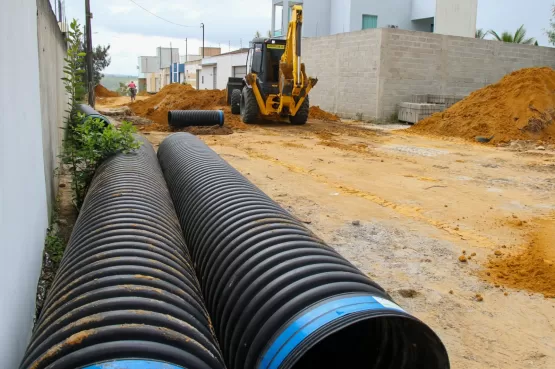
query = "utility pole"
x=186 y=51
x=90 y=71
x=202 y=26
x=229 y=46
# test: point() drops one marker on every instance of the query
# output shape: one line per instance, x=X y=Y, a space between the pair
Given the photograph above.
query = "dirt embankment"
x=182 y=97
x=101 y=91
x=533 y=268
x=317 y=113
x=519 y=107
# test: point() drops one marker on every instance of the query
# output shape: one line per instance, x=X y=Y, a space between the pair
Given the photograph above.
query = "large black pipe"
x=125 y=294
x=278 y=295
x=195 y=118
x=90 y=113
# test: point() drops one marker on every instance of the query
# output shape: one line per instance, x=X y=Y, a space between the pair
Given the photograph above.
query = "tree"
x=551 y=32
x=101 y=61
x=481 y=34
x=270 y=34
x=257 y=34
x=518 y=38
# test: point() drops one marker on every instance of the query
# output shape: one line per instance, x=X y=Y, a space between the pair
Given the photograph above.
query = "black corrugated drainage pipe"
x=126 y=295
x=278 y=295
x=195 y=118
x=91 y=113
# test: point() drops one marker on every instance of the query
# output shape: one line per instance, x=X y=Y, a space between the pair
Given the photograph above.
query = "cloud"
x=230 y=21
x=117 y=9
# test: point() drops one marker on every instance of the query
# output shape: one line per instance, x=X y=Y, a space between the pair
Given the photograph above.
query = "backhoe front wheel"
x=302 y=114
x=236 y=102
x=248 y=106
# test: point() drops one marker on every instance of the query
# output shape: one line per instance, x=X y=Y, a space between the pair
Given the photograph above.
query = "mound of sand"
x=183 y=97
x=317 y=113
x=533 y=268
x=519 y=107
x=101 y=91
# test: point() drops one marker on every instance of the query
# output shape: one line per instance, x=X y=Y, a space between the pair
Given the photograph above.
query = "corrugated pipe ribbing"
x=278 y=295
x=195 y=118
x=90 y=113
x=125 y=294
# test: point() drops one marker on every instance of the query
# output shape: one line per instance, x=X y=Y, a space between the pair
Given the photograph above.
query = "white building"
x=215 y=71
x=329 y=17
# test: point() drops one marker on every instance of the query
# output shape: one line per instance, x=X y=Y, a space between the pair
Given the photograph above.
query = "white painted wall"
x=206 y=77
x=317 y=17
x=340 y=16
x=149 y=64
x=423 y=9
x=24 y=215
x=391 y=12
x=456 y=17
x=225 y=64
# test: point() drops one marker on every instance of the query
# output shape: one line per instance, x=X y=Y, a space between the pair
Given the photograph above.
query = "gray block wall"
x=372 y=71
x=347 y=66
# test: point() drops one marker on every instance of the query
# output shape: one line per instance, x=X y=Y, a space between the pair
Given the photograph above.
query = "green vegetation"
x=88 y=142
x=112 y=82
x=101 y=61
x=54 y=245
x=551 y=32
x=481 y=34
x=519 y=37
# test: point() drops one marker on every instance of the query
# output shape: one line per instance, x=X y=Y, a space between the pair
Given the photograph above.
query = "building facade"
x=156 y=72
x=330 y=17
x=215 y=71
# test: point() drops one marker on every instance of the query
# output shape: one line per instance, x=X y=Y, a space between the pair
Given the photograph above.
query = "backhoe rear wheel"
x=302 y=114
x=249 y=106
x=236 y=102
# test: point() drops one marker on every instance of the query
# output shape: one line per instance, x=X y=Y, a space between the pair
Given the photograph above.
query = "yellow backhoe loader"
x=276 y=82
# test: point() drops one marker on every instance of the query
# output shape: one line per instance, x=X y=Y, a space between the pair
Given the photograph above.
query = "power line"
x=157 y=16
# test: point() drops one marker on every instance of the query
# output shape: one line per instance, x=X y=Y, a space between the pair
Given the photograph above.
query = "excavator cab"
x=263 y=59
x=276 y=82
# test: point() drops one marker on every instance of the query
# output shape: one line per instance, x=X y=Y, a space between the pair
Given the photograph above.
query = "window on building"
x=369 y=21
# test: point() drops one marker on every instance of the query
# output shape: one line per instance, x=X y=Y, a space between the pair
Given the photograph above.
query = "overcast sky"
x=132 y=32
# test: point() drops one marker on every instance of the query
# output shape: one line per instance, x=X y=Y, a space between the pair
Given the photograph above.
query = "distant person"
x=132 y=90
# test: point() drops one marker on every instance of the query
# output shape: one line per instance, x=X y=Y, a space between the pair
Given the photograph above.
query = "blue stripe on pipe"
x=133 y=364
x=311 y=321
x=221 y=118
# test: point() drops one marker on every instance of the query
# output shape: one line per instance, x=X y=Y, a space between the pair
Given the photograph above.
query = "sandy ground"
x=111 y=102
x=403 y=208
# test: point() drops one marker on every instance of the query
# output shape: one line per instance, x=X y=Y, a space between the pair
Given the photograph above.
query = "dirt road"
x=421 y=204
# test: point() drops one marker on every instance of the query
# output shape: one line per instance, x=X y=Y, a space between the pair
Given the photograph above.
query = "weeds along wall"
x=370 y=72
x=28 y=150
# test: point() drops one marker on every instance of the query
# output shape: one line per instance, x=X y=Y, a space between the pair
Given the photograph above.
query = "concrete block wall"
x=52 y=49
x=347 y=66
x=416 y=63
x=372 y=71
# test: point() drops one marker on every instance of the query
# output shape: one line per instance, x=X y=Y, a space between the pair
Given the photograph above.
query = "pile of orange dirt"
x=101 y=91
x=519 y=107
x=183 y=97
x=532 y=269
x=143 y=93
x=317 y=113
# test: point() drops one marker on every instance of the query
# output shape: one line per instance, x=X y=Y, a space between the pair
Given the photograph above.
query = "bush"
x=90 y=143
x=87 y=141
